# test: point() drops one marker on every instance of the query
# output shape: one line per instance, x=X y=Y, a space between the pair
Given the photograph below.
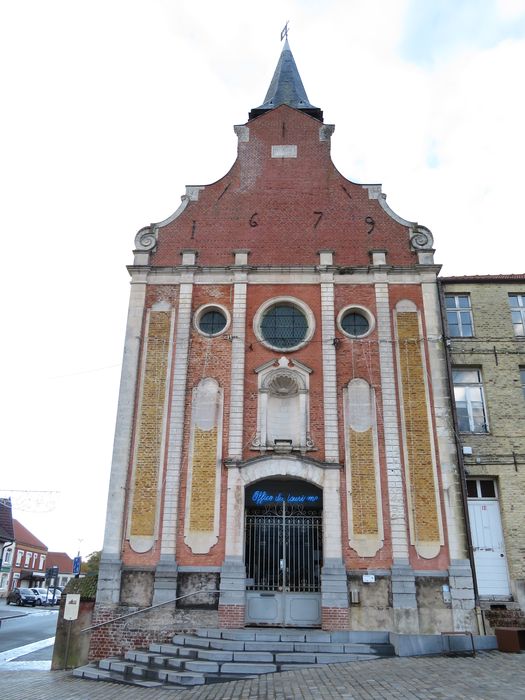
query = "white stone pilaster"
x=235 y=514
x=176 y=430
x=332 y=536
x=331 y=434
x=235 y=442
x=109 y=577
x=398 y=519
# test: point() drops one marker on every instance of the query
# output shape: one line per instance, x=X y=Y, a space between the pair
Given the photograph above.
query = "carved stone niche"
x=283 y=407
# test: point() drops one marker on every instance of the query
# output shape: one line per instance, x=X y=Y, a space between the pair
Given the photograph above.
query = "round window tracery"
x=284 y=324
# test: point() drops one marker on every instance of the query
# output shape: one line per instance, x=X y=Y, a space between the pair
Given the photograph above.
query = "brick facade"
x=283 y=227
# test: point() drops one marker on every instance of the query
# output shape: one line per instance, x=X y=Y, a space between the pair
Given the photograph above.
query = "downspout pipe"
x=459 y=454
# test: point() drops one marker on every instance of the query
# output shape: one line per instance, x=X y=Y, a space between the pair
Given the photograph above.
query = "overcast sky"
x=111 y=107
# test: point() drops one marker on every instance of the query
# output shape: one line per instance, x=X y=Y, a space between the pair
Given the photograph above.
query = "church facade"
x=284 y=452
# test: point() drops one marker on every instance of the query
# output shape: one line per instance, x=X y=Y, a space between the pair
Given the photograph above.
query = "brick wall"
x=139 y=631
x=271 y=205
x=335 y=619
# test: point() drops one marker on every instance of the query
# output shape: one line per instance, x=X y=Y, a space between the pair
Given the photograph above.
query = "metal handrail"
x=151 y=607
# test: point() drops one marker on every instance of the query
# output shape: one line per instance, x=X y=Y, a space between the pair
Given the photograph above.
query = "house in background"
x=7 y=537
x=485 y=324
x=65 y=566
x=28 y=567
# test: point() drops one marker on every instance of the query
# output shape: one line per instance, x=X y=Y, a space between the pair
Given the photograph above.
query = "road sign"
x=72 y=605
x=77 y=561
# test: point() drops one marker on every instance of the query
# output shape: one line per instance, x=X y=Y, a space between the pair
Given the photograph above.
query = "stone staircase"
x=214 y=655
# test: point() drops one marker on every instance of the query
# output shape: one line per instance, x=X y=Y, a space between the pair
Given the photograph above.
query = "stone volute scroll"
x=282 y=409
x=421 y=238
x=365 y=519
x=145 y=243
x=201 y=522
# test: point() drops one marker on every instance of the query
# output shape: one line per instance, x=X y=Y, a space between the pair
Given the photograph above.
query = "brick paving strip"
x=488 y=676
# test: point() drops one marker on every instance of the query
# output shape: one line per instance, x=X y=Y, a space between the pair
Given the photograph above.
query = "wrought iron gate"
x=283 y=565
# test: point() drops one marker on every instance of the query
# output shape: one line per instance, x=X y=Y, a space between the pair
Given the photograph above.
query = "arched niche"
x=283 y=407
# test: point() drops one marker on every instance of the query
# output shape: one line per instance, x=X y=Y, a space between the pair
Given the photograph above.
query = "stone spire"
x=286 y=88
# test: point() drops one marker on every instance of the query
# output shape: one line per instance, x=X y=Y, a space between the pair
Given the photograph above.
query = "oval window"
x=355 y=324
x=212 y=321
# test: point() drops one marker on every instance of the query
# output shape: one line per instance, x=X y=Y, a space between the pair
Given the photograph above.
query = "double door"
x=283 y=564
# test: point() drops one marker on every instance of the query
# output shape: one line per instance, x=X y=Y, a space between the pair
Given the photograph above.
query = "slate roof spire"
x=286 y=88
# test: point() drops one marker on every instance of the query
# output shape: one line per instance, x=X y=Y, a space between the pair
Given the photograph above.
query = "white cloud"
x=511 y=9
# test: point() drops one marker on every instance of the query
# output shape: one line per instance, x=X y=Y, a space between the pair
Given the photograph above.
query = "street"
x=26 y=637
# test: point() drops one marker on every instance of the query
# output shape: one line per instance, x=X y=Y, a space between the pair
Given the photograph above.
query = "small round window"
x=211 y=320
x=356 y=322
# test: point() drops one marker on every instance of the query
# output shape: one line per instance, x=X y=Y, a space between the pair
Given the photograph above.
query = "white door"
x=489 y=548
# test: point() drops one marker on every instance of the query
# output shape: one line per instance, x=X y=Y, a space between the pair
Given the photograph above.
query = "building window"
x=517 y=312
x=284 y=324
x=356 y=321
x=522 y=378
x=7 y=555
x=481 y=488
x=470 y=404
x=459 y=315
x=211 y=320
x=19 y=555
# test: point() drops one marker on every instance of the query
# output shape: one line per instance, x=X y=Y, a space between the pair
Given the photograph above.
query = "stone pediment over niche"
x=283 y=407
x=283 y=362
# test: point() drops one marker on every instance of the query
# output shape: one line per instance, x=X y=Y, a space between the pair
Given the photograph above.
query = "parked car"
x=41 y=594
x=21 y=596
x=53 y=596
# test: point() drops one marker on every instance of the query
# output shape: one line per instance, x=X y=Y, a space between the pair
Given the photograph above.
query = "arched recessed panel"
x=201 y=523
x=424 y=516
x=365 y=521
x=148 y=454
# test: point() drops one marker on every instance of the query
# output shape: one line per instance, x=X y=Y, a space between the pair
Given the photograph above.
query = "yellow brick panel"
x=150 y=426
x=204 y=474
x=364 y=497
x=417 y=429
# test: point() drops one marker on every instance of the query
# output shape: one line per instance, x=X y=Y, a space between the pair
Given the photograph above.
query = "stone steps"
x=218 y=655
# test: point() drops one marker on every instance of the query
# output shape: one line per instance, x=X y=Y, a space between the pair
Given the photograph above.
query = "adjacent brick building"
x=485 y=323
x=65 y=566
x=28 y=559
x=283 y=436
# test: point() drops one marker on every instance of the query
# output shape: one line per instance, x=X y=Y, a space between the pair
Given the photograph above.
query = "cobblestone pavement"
x=488 y=676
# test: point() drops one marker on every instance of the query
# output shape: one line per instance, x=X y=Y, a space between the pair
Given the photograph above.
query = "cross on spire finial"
x=284 y=32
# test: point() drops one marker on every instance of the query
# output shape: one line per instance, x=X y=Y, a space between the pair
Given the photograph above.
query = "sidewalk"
x=488 y=676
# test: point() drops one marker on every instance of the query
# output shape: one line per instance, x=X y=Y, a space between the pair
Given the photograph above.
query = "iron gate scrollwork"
x=284 y=549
